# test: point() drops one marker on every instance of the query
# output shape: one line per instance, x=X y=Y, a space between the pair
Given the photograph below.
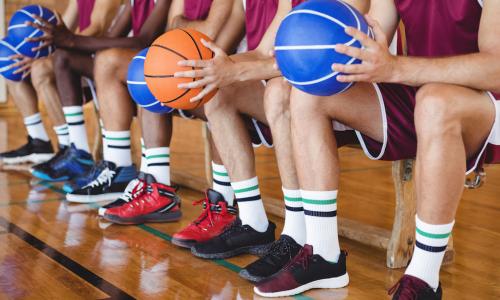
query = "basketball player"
x=438 y=95
x=42 y=85
x=242 y=94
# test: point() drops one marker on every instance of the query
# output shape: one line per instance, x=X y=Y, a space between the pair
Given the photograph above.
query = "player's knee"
x=434 y=111
x=41 y=71
x=277 y=101
x=220 y=103
x=107 y=61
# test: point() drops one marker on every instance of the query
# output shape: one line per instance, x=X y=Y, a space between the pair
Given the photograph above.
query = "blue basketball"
x=137 y=86
x=305 y=44
x=18 y=30
x=6 y=51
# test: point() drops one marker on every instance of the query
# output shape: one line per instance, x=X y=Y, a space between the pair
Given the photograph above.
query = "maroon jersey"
x=258 y=16
x=141 y=9
x=85 y=8
x=197 y=9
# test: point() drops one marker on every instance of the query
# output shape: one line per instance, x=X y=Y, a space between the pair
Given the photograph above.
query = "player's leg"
x=43 y=79
x=452 y=125
x=317 y=163
x=233 y=142
x=38 y=147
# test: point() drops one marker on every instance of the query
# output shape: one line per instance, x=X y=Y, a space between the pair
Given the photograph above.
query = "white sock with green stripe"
x=34 y=126
x=320 y=211
x=158 y=163
x=62 y=132
x=430 y=247
x=221 y=183
x=117 y=148
x=295 y=225
x=76 y=126
x=251 y=208
x=144 y=163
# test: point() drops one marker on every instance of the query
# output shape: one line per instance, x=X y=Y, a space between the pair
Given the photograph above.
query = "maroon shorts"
x=397 y=105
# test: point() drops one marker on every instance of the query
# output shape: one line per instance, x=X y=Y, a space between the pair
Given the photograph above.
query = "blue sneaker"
x=81 y=181
x=72 y=163
x=108 y=185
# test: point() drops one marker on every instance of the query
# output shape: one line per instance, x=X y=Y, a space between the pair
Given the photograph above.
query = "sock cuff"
x=433 y=238
x=319 y=201
x=70 y=111
x=292 y=198
x=32 y=120
x=219 y=169
x=122 y=135
x=437 y=229
x=143 y=147
x=158 y=152
x=247 y=190
x=61 y=128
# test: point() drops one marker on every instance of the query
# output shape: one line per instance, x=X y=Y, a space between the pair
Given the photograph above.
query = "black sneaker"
x=281 y=253
x=34 y=151
x=413 y=288
x=306 y=271
x=46 y=165
x=108 y=185
x=236 y=239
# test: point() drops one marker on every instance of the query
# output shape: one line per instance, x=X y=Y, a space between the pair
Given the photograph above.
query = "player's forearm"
x=93 y=44
x=478 y=70
x=262 y=69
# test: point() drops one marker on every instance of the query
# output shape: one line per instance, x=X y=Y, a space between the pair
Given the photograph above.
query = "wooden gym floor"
x=52 y=250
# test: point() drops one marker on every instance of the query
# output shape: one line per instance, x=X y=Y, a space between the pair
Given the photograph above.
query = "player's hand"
x=58 y=35
x=209 y=74
x=23 y=64
x=378 y=64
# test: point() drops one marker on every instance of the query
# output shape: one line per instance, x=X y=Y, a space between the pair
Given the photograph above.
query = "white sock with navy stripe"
x=62 y=132
x=34 y=126
x=430 y=247
x=221 y=183
x=76 y=126
x=251 y=208
x=295 y=225
x=144 y=163
x=158 y=163
x=117 y=148
x=320 y=210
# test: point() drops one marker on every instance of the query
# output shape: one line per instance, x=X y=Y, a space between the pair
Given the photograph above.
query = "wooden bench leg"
x=400 y=248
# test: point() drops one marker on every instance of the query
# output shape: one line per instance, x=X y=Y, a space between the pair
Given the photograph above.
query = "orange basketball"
x=161 y=64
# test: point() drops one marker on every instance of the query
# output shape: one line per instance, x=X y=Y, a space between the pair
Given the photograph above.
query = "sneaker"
x=34 y=151
x=107 y=186
x=135 y=188
x=413 y=288
x=81 y=181
x=281 y=253
x=72 y=163
x=215 y=217
x=306 y=271
x=236 y=239
x=46 y=165
x=158 y=204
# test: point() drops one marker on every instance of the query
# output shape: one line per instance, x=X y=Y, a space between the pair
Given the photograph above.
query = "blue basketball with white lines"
x=137 y=85
x=18 y=31
x=6 y=51
x=305 y=44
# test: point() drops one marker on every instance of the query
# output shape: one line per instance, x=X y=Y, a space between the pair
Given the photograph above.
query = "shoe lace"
x=407 y=291
x=280 y=247
x=206 y=213
x=134 y=189
x=104 y=177
x=301 y=259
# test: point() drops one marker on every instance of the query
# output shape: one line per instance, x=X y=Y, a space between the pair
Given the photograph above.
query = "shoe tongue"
x=141 y=176
x=109 y=164
x=214 y=197
x=149 y=178
x=308 y=249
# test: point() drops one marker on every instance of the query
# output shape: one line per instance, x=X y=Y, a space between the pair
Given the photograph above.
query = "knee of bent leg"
x=220 y=102
x=435 y=113
x=304 y=106
x=277 y=100
x=41 y=71
x=107 y=61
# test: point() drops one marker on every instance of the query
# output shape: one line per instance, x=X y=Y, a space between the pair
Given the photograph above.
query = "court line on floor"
x=71 y=265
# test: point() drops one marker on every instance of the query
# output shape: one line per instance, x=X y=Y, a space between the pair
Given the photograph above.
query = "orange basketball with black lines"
x=161 y=64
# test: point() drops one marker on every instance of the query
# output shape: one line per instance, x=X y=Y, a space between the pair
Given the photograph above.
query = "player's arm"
x=211 y=26
x=101 y=17
x=479 y=70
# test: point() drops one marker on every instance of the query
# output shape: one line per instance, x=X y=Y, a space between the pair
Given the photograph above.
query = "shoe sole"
x=44 y=177
x=183 y=243
x=152 y=218
x=252 y=278
x=329 y=283
x=254 y=250
x=32 y=158
x=92 y=199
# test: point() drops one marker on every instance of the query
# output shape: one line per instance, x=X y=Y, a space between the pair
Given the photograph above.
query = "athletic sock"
x=76 y=126
x=117 y=148
x=34 y=126
x=430 y=246
x=221 y=183
x=320 y=211
x=295 y=225
x=144 y=163
x=62 y=132
x=251 y=208
x=158 y=164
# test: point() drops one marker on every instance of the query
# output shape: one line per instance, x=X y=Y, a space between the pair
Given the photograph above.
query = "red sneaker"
x=214 y=218
x=158 y=204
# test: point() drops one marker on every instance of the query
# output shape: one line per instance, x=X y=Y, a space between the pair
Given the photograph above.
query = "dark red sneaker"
x=413 y=288
x=158 y=204
x=214 y=218
x=306 y=271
